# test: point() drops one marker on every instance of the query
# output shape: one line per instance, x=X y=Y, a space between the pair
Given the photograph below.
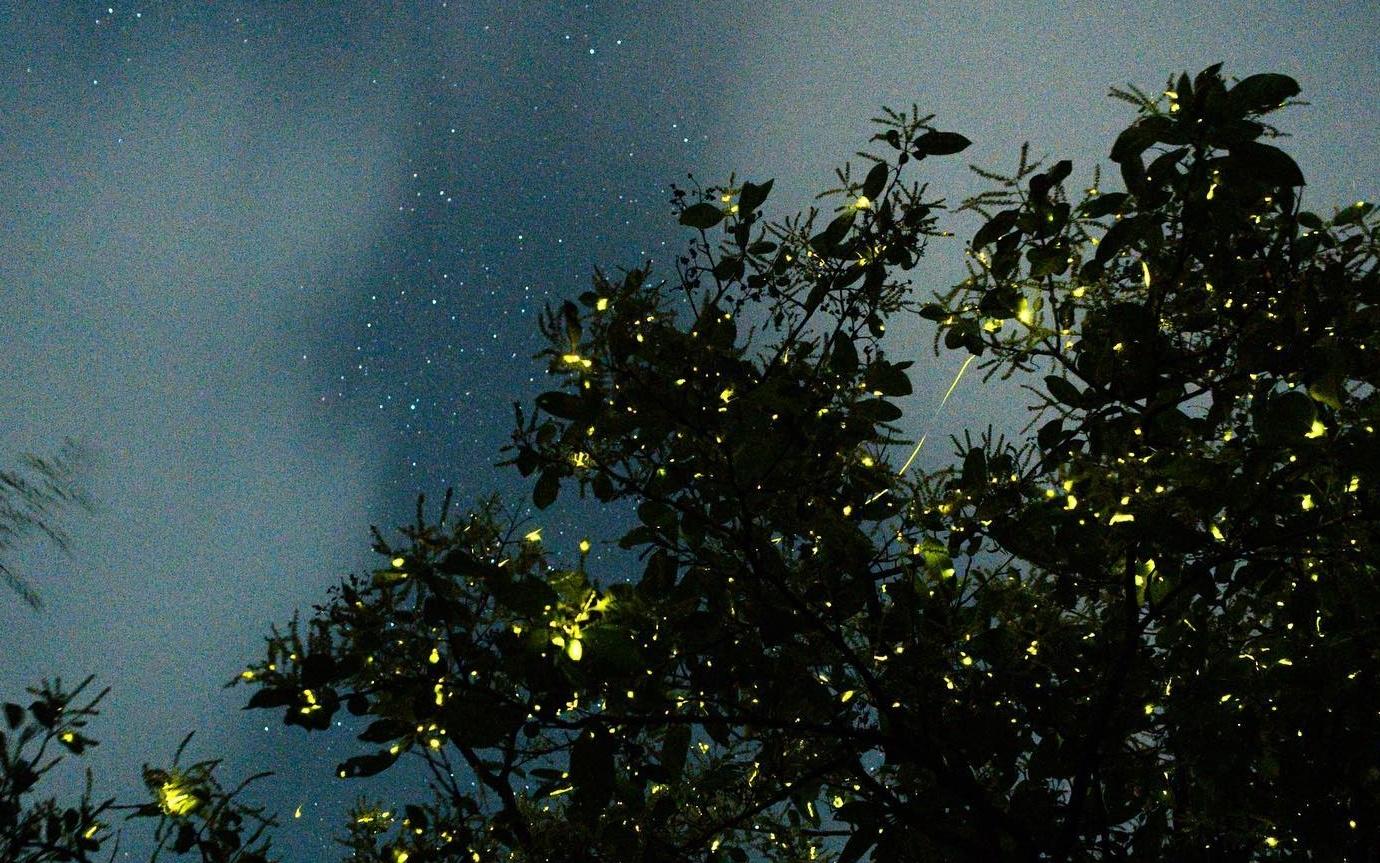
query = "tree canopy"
x=1146 y=629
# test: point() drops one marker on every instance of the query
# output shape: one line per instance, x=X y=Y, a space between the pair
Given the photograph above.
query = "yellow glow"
x=96 y=826
x=1071 y=502
x=297 y=813
x=1271 y=841
x=399 y=856
x=601 y=304
x=1145 y=268
x=247 y=674
x=1079 y=291
x=584 y=546
x=862 y=203
x=574 y=650
x=847 y=696
x=435 y=656
x=576 y=360
x=1025 y=312
x=1317 y=429
x=176 y=798
x=533 y=536
x=726 y=394
x=1307 y=502
x=1217 y=533
x=1121 y=517
x=398 y=562
x=68 y=736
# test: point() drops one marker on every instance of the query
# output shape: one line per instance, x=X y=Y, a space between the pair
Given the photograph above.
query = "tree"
x=190 y=811
x=30 y=499
x=1146 y=632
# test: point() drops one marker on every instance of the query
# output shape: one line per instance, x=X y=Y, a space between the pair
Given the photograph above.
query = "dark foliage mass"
x=1146 y=631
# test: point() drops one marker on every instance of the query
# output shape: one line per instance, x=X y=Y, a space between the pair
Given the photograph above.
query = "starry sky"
x=278 y=264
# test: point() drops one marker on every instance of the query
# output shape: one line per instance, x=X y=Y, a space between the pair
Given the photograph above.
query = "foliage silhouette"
x=1143 y=633
x=30 y=499
x=1146 y=632
x=193 y=814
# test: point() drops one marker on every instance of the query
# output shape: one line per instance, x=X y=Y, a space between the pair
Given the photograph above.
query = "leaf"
x=1258 y=94
x=548 y=486
x=824 y=242
x=1350 y=216
x=1104 y=205
x=1063 y=391
x=562 y=405
x=857 y=845
x=845 y=358
x=940 y=144
x=752 y=197
x=1328 y=390
x=384 y=730
x=675 y=746
x=875 y=181
x=526 y=596
x=1269 y=164
x=271 y=697
x=591 y=770
x=366 y=765
x=479 y=719
x=889 y=379
x=877 y=410
x=701 y=216
x=14 y=715
x=997 y=226
x=1116 y=238
x=1286 y=416
x=655 y=514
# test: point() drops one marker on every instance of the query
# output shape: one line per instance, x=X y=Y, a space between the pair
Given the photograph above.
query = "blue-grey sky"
x=278 y=264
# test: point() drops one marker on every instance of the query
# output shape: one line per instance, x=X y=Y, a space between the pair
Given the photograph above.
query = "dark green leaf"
x=998 y=225
x=384 y=730
x=563 y=405
x=875 y=181
x=889 y=379
x=1268 y=164
x=940 y=144
x=548 y=486
x=591 y=770
x=366 y=765
x=753 y=195
x=701 y=216
x=675 y=746
x=1104 y=205
x=877 y=410
x=1063 y=391
x=1261 y=93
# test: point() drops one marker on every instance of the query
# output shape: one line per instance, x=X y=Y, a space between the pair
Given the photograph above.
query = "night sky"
x=278 y=265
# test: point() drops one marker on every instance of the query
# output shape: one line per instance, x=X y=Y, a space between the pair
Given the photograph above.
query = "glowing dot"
x=398 y=563
x=533 y=536
x=847 y=696
x=862 y=203
x=297 y=813
x=574 y=650
x=1307 y=502
x=435 y=656
x=1317 y=429
x=584 y=546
